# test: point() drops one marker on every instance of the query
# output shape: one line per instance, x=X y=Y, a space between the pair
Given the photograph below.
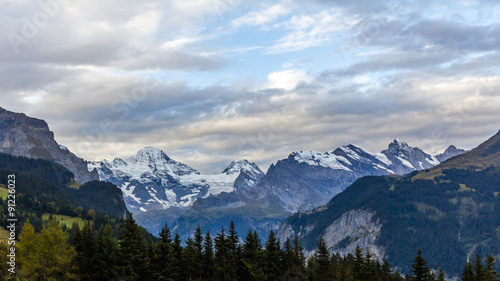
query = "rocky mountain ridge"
x=21 y=135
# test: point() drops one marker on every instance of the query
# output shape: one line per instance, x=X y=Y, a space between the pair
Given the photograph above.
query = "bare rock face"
x=356 y=228
x=21 y=135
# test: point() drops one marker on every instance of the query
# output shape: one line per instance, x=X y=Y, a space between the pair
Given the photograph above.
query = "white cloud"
x=287 y=79
x=309 y=31
x=259 y=18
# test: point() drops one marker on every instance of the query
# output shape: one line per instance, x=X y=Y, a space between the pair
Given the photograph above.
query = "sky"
x=211 y=81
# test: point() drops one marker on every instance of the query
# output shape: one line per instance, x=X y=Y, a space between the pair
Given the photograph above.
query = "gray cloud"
x=112 y=78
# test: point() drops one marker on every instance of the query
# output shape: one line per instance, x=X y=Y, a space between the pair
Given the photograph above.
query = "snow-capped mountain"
x=302 y=181
x=307 y=178
x=448 y=153
x=152 y=180
x=374 y=210
x=406 y=159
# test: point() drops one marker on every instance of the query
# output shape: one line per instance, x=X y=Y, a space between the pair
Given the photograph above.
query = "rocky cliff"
x=21 y=135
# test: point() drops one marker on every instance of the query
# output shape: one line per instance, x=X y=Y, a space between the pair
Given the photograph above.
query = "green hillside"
x=43 y=187
x=66 y=220
x=4 y=192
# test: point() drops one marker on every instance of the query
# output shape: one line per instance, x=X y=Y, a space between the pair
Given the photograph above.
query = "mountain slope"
x=449 y=211
x=21 y=135
x=45 y=186
x=302 y=181
x=150 y=180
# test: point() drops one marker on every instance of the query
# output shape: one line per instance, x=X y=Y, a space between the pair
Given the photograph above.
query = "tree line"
x=85 y=254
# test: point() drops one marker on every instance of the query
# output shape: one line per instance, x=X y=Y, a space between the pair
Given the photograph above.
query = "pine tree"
x=468 y=271
x=221 y=256
x=359 y=264
x=420 y=269
x=385 y=271
x=86 y=250
x=287 y=258
x=150 y=263
x=324 y=267
x=441 y=276
x=162 y=261
x=272 y=257
x=298 y=261
x=192 y=266
x=208 y=257
x=177 y=272
x=234 y=258
x=490 y=269
x=479 y=270
x=107 y=254
x=132 y=248
x=252 y=257
x=198 y=243
x=370 y=267
x=312 y=267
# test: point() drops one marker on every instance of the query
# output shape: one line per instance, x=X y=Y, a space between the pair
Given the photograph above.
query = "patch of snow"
x=63 y=147
x=383 y=158
x=384 y=168
x=433 y=160
x=405 y=162
x=350 y=152
x=315 y=158
x=128 y=192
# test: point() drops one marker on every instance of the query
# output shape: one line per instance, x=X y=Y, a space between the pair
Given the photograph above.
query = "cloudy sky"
x=209 y=81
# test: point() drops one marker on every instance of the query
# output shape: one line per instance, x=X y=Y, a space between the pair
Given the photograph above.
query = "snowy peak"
x=119 y=162
x=243 y=165
x=157 y=160
x=406 y=159
x=150 y=154
x=450 y=152
x=398 y=145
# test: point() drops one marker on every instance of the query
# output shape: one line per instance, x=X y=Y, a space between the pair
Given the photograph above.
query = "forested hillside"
x=88 y=254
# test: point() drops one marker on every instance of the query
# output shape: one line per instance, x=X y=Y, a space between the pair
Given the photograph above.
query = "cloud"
x=287 y=79
x=260 y=18
x=124 y=35
x=308 y=31
x=112 y=77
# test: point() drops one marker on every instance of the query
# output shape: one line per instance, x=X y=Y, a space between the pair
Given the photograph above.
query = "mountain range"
x=302 y=181
x=150 y=180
